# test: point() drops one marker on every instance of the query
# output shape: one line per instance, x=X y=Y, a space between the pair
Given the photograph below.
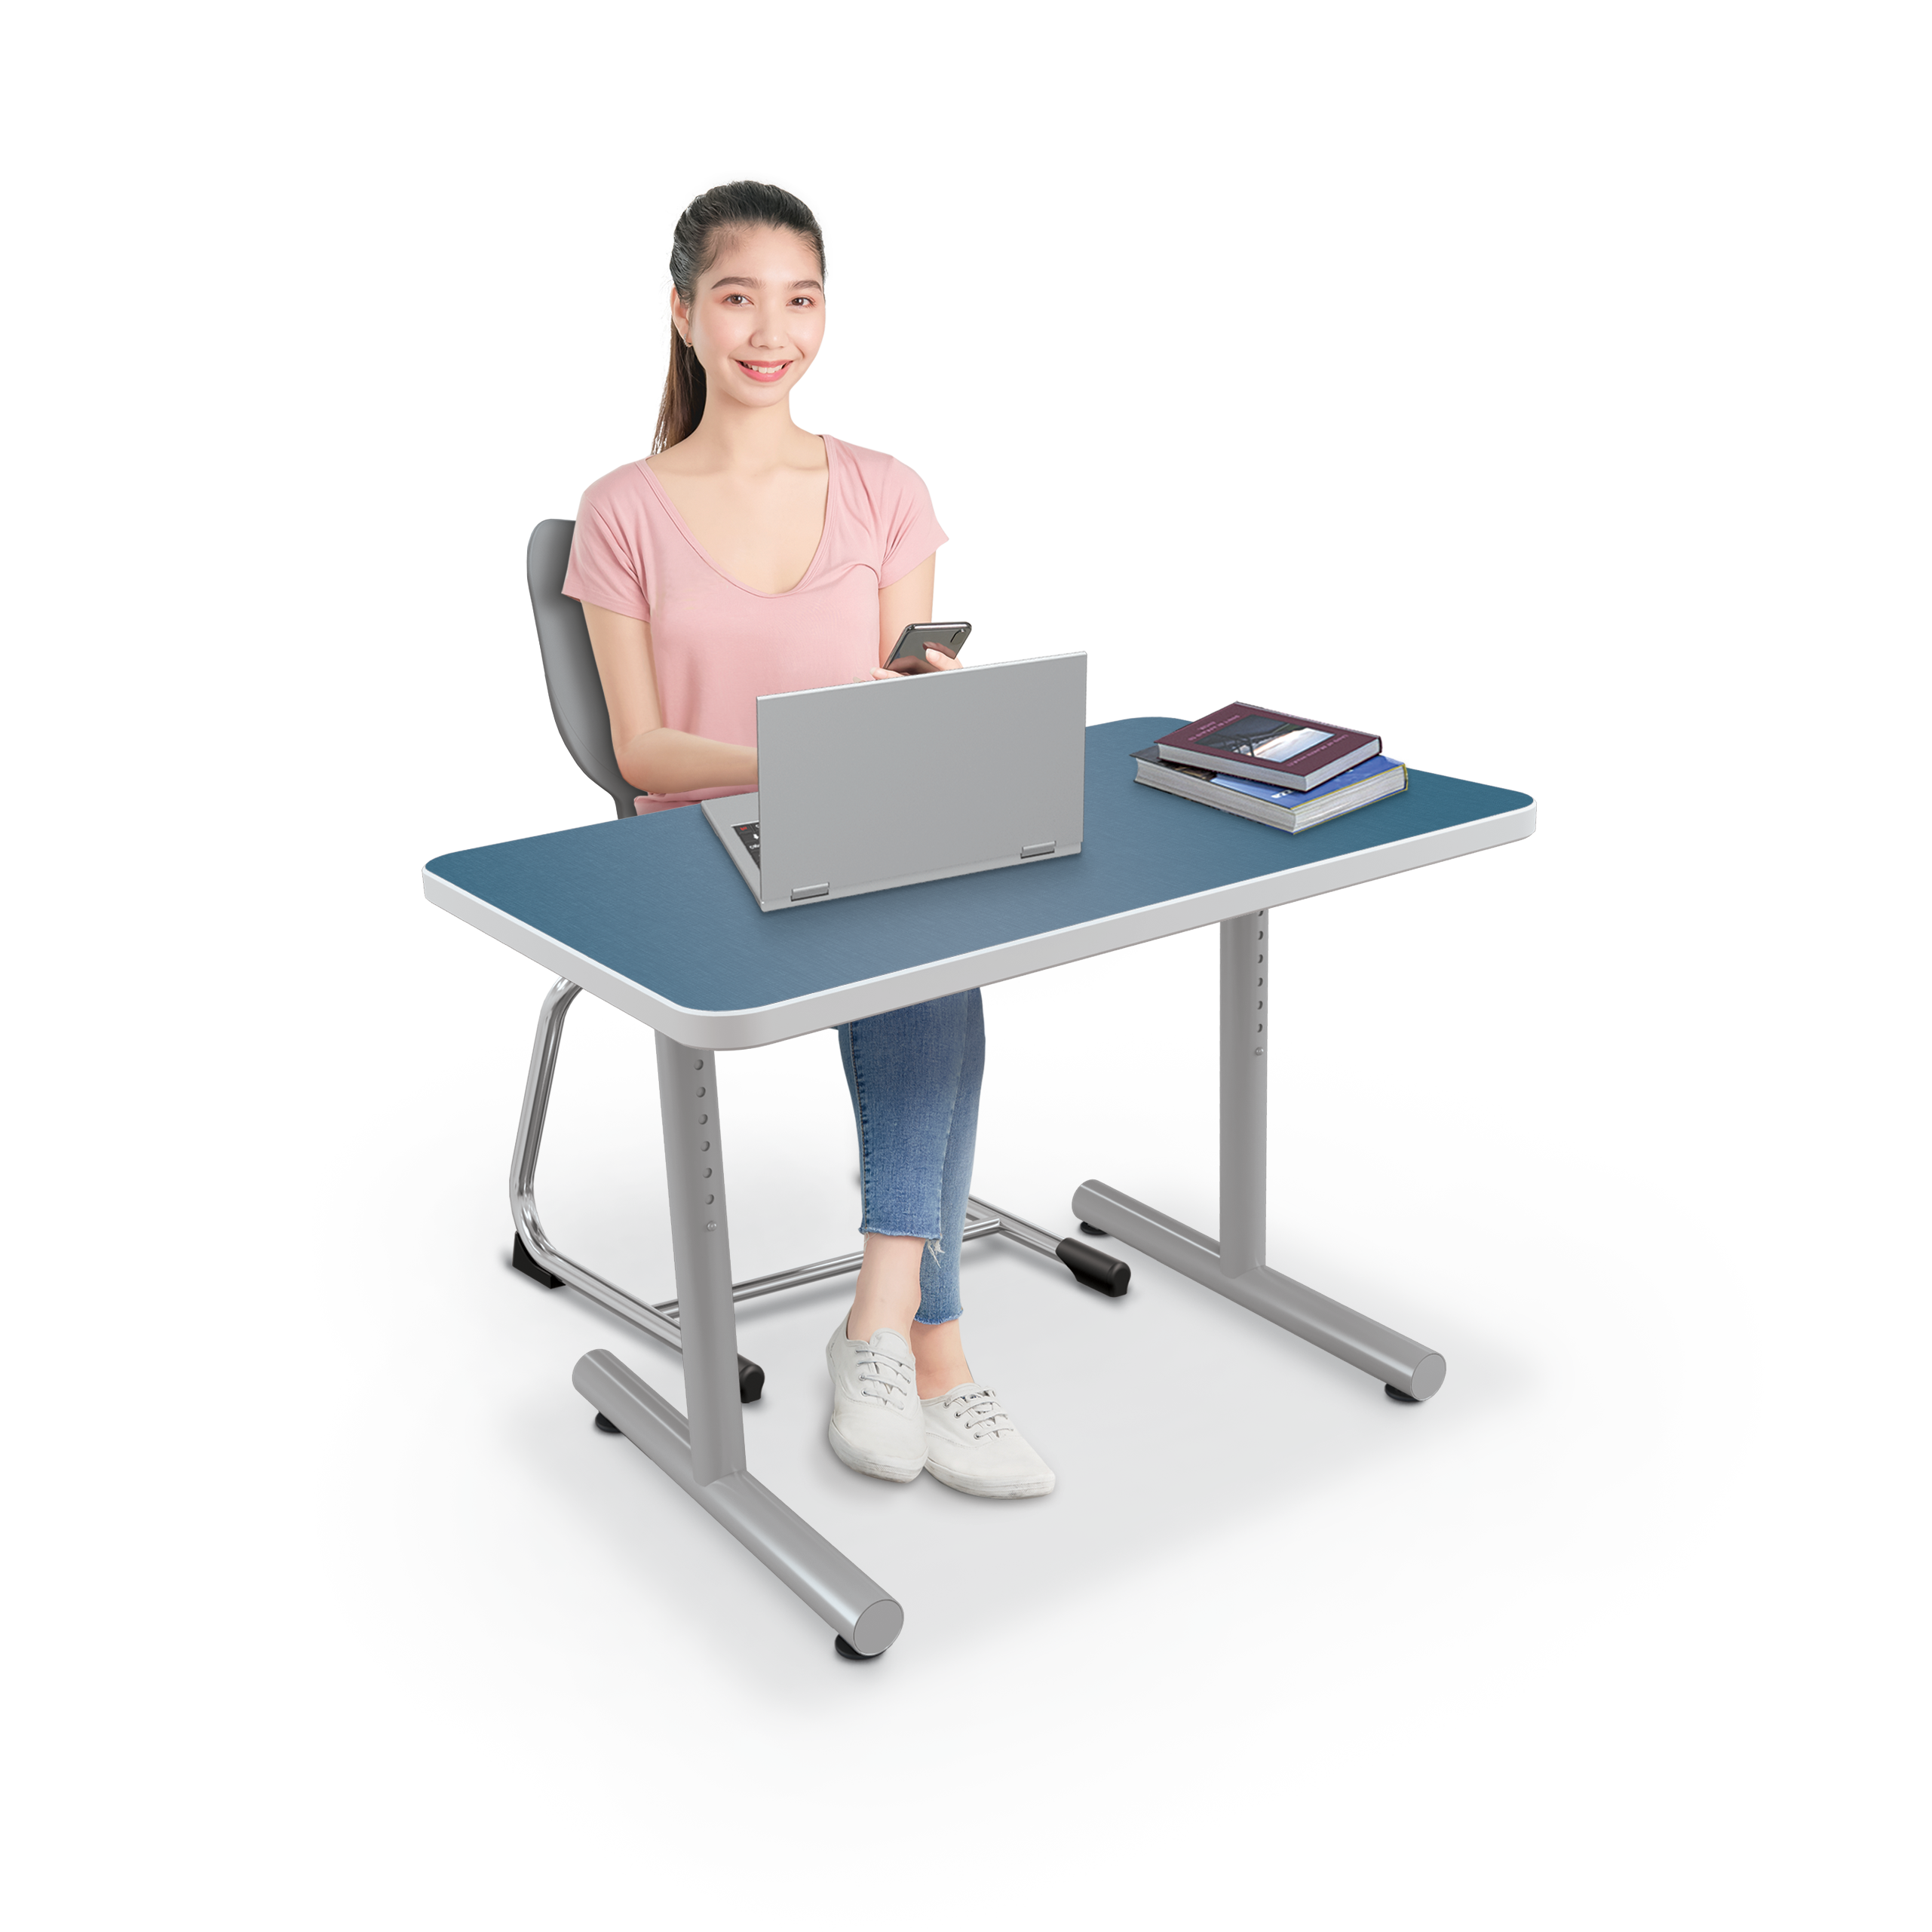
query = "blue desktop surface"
x=655 y=899
x=468 y=971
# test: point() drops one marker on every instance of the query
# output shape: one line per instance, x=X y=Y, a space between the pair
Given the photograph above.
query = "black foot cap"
x=1087 y=1228
x=751 y=1380
x=1097 y=1270
x=525 y=1262
x=605 y=1426
x=1394 y=1394
x=845 y=1650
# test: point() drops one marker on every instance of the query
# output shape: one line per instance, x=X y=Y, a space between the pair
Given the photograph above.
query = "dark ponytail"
x=695 y=242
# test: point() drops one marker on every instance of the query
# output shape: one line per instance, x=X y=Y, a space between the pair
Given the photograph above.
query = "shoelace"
x=978 y=1409
x=894 y=1386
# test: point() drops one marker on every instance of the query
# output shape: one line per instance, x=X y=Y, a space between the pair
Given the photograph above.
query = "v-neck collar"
x=736 y=583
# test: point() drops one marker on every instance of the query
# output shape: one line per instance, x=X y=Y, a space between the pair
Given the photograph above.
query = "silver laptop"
x=864 y=786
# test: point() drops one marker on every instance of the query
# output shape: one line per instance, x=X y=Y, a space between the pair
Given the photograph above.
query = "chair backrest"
x=570 y=668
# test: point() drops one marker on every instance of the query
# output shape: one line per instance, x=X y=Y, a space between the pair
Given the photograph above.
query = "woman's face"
x=757 y=315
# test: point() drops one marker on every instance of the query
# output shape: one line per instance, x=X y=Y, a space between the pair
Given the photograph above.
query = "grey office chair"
x=570 y=666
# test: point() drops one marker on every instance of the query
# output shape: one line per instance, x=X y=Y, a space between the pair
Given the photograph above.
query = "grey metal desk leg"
x=1244 y=1093
x=701 y=1256
x=704 y=1452
x=1235 y=1266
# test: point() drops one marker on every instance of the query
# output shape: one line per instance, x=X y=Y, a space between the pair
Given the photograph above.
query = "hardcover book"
x=1296 y=753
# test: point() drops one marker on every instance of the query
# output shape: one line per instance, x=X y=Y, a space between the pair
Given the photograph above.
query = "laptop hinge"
x=810 y=891
x=1025 y=852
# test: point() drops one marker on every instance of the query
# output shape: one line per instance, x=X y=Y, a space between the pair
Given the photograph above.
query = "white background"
x=1543 y=386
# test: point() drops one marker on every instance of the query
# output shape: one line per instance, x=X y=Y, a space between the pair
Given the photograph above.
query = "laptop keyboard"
x=748 y=838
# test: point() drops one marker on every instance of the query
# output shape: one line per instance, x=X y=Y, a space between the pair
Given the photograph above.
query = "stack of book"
x=1271 y=767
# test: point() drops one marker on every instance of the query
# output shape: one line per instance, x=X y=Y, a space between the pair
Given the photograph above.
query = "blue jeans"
x=915 y=1080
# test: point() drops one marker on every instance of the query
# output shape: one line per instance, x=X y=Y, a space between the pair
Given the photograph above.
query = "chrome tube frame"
x=523 y=1215
x=827 y=1271
x=1233 y=1265
x=998 y=1221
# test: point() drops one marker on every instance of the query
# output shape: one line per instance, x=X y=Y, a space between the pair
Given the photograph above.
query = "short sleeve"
x=912 y=531
x=606 y=559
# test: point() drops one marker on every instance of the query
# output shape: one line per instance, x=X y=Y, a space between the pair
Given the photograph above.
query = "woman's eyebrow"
x=753 y=282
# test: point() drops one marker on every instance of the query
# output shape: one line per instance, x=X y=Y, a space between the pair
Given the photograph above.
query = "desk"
x=648 y=914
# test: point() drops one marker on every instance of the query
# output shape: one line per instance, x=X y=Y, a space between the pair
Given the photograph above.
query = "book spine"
x=1238 y=804
x=1211 y=761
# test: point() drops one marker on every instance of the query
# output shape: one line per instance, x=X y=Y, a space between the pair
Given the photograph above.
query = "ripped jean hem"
x=937 y=1307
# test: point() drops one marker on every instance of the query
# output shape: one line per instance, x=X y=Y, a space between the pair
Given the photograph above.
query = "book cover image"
x=1245 y=739
x=1378 y=717
x=1255 y=734
x=1356 y=774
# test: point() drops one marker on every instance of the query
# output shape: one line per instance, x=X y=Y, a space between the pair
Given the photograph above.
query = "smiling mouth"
x=763 y=371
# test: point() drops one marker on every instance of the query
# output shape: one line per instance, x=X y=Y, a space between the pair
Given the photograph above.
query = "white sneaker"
x=878 y=1426
x=972 y=1445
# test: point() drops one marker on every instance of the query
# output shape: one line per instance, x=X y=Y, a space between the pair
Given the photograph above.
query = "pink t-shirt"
x=719 y=645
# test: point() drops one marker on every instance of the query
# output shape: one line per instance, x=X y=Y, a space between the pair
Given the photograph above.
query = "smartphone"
x=909 y=653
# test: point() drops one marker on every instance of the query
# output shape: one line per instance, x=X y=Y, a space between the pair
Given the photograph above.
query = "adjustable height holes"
x=704 y=1146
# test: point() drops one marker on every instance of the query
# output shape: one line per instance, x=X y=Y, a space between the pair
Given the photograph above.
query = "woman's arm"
x=650 y=757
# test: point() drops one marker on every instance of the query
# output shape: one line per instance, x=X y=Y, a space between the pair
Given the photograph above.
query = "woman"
x=746 y=556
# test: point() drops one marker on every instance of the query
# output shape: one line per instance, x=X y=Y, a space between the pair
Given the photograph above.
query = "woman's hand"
x=935 y=657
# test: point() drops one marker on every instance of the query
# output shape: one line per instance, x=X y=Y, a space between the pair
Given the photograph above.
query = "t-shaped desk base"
x=703 y=1452
x=1233 y=1265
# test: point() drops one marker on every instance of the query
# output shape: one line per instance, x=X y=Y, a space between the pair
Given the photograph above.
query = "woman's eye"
x=803 y=301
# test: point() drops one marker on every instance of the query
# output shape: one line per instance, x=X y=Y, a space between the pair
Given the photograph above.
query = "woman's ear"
x=680 y=315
